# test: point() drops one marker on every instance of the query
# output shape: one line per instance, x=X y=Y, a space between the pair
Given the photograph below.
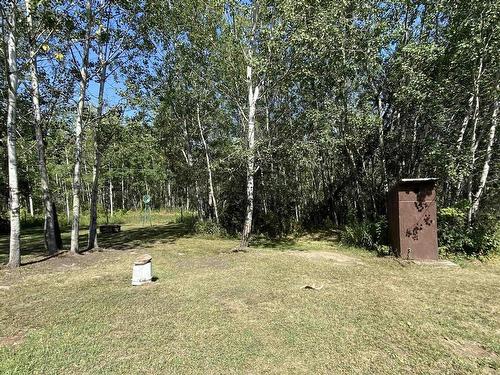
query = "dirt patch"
x=233 y=306
x=327 y=255
x=64 y=262
x=472 y=349
x=12 y=340
x=435 y=263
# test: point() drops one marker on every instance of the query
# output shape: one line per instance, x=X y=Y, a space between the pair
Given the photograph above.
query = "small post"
x=142 y=271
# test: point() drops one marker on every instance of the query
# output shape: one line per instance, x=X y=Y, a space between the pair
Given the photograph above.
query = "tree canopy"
x=290 y=114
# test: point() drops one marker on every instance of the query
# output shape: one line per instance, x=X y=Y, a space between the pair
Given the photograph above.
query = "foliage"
x=189 y=219
x=209 y=228
x=371 y=235
x=456 y=237
x=355 y=96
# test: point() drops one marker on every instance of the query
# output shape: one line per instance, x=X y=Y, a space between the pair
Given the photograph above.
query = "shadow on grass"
x=290 y=243
x=276 y=243
x=33 y=247
x=141 y=236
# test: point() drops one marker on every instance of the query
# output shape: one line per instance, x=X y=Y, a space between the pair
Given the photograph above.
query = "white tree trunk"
x=42 y=166
x=253 y=95
x=12 y=82
x=123 y=191
x=211 y=196
x=473 y=101
x=486 y=166
x=169 y=193
x=111 y=207
x=474 y=140
x=30 y=201
x=381 y=144
x=75 y=228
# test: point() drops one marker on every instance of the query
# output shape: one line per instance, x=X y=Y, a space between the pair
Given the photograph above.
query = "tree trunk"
x=189 y=160
x=169 y=193
x=75 y=229
x=474 y=100
x=211 y=196
x=253 y=95
x=465 y=122
x=92 y=241
x=381 y=145
x=57 y=228
x=474 y=142
x=486 y=167
x=66 y=201
x=42 y=166
x=123 y=190
x=30 y=201
x=15 y=225
x=111 y=207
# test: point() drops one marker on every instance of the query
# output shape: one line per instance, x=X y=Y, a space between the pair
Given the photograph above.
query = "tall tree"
x=37 y=123
x=10 y=23
x=84 y=80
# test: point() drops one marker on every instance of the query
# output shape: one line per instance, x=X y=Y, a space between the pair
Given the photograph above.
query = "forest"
x=264 y=117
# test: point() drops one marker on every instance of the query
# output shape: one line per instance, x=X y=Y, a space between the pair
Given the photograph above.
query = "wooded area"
x=263 y=117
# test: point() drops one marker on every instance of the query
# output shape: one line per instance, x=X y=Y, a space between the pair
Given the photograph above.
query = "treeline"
x=263 y=116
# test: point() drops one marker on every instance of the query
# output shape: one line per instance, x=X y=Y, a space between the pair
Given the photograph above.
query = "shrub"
x=371 y=235
x=32 y=221
x=456 y=237
x=209 y=228
x=188 y=219
x=269 y=224
x=4 y=226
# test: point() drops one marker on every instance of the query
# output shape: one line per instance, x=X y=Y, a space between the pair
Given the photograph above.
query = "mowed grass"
x=211 y=311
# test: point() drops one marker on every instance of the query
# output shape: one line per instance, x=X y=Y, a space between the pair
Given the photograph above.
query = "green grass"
x=212 y=311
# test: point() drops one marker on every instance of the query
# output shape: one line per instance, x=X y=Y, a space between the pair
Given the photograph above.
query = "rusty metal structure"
x=412 y=220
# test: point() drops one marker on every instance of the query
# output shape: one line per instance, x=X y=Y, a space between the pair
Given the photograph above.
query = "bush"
x=456 y=237
x=371 y=235
x=188 y=219
x=4 y=226
x=269 y=224
x=32 y=221
x=209 y=228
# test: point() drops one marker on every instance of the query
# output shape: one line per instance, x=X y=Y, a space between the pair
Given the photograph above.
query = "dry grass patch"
x=327 y=255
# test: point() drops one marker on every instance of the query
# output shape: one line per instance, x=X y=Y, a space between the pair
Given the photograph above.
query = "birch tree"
x=37 y=123
x=10 y=23
x=489 y=152
x=253 y=96
x=105 y=56
x=84 y=80
x=212 y=202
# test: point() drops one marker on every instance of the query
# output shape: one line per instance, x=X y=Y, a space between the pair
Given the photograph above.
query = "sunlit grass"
x=213 y=311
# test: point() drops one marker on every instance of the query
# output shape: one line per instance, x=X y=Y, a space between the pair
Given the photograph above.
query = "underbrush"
x=202 y=227
x=456 y=237
x=371 y=235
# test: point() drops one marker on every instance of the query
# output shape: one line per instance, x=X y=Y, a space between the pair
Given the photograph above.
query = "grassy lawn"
x=211 y=311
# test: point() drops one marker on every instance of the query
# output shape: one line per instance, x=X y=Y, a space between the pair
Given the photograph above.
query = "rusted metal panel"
x=412 y=219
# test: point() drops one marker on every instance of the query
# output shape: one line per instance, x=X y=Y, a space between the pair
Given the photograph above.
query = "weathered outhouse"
x=412 y=218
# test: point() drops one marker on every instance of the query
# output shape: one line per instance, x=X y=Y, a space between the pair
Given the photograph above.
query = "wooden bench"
x=110 y=228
